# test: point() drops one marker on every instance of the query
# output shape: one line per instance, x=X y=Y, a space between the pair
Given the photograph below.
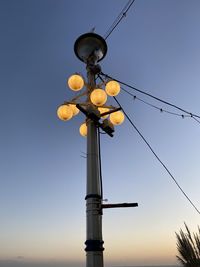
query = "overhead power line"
x=154 y=106
x=157 y=157
x=151 y=149
x=150 y=95
x=162 y=110
x=119 y=18
x=196 y=119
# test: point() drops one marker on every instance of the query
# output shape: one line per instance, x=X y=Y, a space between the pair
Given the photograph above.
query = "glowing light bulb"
x=83 y=129
x=112 y=88
x=98 y=97
x=75 y=82
x=64 y=112
x=117 y=117
x=75 y=110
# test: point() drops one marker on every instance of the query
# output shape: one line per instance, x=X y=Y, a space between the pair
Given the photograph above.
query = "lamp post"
x=91 y=48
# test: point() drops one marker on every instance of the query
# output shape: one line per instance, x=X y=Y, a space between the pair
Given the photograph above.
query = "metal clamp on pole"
x=90 y=113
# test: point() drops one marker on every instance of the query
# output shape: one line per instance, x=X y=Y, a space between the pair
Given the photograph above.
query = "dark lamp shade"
x=90 y=44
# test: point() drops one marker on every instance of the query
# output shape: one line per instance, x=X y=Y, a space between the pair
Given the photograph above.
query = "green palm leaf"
x=188 y=247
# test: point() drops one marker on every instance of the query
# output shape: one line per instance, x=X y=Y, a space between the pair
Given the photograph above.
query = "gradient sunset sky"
x=43 y=175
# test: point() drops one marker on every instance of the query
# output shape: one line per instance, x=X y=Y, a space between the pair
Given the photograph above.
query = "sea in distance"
x=147 y=266
x=150 y=266
x=10 y=263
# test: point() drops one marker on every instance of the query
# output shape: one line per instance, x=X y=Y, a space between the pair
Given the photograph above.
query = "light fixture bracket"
x=107 y=127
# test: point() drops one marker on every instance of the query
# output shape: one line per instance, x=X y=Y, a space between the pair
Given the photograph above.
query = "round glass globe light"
x=98 y=97
x=75 y=110
x=83 y=129
x=117 y=117
x=75 y=82
x=64 y=112
x=103 y=110
x=112 y=88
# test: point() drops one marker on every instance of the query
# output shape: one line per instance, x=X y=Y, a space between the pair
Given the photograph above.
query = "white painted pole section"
x=94 y=242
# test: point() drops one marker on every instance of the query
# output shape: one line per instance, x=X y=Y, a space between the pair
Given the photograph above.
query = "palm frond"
x=188 y=247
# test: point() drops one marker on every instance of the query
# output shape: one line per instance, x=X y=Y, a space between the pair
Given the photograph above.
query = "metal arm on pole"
x=119 y=205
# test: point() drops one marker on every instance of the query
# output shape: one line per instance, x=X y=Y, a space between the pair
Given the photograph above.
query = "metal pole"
x=94 y=243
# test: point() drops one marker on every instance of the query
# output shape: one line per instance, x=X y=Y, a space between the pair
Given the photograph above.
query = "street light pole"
x=94 y=243
x=91 y=48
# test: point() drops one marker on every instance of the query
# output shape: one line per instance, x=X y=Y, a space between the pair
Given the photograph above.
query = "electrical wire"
x=151 y=149
x=156 y=107
x=154 y=97
x=149 y=146
x=162 y=110
x=100 y=169
x=195 y=119
x=84 y=155
x=119 y=18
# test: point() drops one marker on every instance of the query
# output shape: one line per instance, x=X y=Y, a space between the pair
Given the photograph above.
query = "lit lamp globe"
x=103 y=110
x=75 y=110
x=83 y=129
x=75 y=82
x=64 y=112
x=112 y=88
x=98 y=97
x=117 y=117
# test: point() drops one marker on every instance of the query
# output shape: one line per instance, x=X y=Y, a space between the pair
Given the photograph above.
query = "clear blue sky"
x=43 y=176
